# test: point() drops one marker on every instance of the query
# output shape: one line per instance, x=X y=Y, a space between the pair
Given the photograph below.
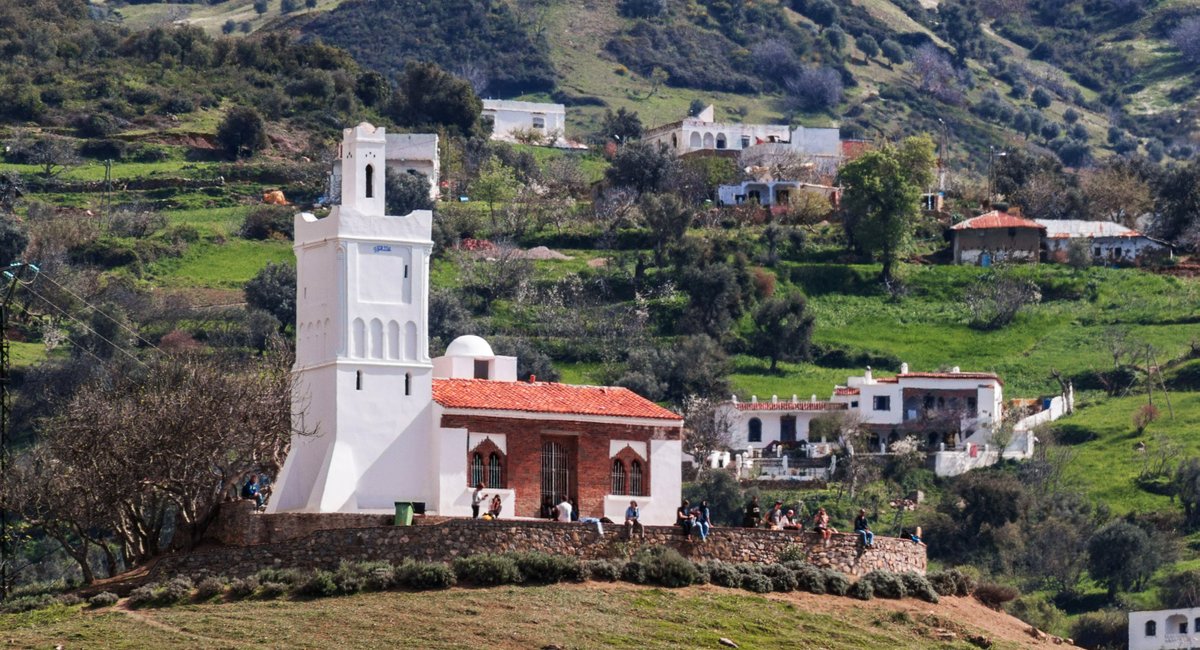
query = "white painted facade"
x=1107 y=241
x=412 y=153
x=772 y=192
x=1164 y=629
x=703 y=133
x=511 y=117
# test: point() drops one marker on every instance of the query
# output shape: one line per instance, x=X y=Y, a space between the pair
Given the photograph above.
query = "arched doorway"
x=556 y=472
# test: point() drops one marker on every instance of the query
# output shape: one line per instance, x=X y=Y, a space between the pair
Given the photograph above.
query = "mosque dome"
x=470 y=346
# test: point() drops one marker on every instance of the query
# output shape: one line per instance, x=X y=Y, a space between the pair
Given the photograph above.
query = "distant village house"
x=514 y=121
x=1105 y=241
x=997 y=236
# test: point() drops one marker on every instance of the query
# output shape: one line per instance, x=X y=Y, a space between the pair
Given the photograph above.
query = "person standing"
x=477 y=498
x=863 y=528
x=753 y=514
x=631 y=521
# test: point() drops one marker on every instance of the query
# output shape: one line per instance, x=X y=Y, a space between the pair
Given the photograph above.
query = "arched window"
x=618 y=477
x=495 y=471
x=370 y=181
x=635 y=480
x=755 y=430
x=476 y=469
x=1151 y=628
x=720 y=140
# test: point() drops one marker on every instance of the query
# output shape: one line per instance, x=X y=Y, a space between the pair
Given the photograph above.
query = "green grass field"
x=568 y=616
x=220 y=266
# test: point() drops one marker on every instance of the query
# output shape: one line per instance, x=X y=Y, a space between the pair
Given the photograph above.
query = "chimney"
x=867 y=378
x=533 y=379
x=774 y=399
x=794 y=400
x=814 y=397
x=754 y=399
x=955 y=370
x=904 y=368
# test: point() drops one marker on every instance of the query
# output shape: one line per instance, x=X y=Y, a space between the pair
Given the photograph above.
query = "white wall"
x=1166 y=633
x=510 y=116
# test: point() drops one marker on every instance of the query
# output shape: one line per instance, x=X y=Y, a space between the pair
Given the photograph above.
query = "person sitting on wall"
x=863 y=528
x=753 y=514
x=821 y=526
x=775 y=516
x=548 y=509
x=494 y=509
x=591 y=520
x=913 y=536
x=790 y=522
x=574 y=510
x=250 y=490
x=563 y=511
x=684 y=518
x=631 y=521
x=703 y=519
x=477 y=498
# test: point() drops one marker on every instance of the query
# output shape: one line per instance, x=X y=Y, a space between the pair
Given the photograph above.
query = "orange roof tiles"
x=546 y=397
x=843 y=390
x=996 y=219
x=790 y=406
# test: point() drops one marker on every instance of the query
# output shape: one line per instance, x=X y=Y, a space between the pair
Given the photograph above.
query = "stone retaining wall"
x=441 y=540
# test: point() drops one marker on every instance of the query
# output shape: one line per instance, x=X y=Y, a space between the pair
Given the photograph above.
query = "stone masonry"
x=299 y=541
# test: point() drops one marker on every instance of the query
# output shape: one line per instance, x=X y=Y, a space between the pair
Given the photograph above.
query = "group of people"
x=779 y=519
x=694 y=519
x=477 y=499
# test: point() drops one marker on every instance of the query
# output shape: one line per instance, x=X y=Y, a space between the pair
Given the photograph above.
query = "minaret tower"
x=362 y=402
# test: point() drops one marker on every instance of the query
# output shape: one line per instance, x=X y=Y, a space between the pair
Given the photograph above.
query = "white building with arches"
x=703 y=132
x=383 y=422
x=1164 y=629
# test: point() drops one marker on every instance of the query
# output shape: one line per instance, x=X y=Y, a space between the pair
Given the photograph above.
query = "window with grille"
x=618 y=477
x=495 y=471
x=755 y=430
x=635 y=480
x=476 y=469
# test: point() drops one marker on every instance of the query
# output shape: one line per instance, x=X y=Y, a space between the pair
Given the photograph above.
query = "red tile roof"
x=546 y=397
x=790 y=406
x=842 y=390
x=996 y=219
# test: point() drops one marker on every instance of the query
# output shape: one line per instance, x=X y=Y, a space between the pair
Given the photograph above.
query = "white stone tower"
x=363 y=374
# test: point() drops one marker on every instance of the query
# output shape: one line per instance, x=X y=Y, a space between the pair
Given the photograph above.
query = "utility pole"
x=13 y=277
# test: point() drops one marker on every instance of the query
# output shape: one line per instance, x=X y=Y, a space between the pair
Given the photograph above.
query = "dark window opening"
x=408 y=383
x=972 y=404
x=357 y=380
x=1151 y=628
x=883 y=402
x=476 y=469
x=406 y=270
x=370 y=181
x=481 y=369
x=1012 y=232
x=755 y=430
x=787 y=428
x=618 y=477
x=495 y=471
x=635 y=480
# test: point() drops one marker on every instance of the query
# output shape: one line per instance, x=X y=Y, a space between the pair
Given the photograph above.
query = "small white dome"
x=470 y=346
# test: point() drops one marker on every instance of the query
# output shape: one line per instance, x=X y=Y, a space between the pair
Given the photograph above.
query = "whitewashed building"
x=1105 y=240
x=702 y=132
x=769 y=193
x=1165 y=629
x=388 y=423
x=410 y=153
x=509 y=119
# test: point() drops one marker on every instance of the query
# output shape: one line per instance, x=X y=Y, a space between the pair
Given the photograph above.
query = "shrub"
x=665 y=566
x=995 y=595
x=836 y=583
x=544 y=568
x=725 y=575
x=487 y=569
x=68 y=600
x=211 y=587
x=952 y=582
x=1106 y=629
x=758 y=583
x=239 y=588
x=349 y=578
x=811 y=579
x=885 y=584
x=603 y=570
x=268 y=222
x=426 y=575
x=862 y=590
x=1039 y=613
x=103 y=599
x=379 y=576
x=702 y=577
x=917 y=586
x=793 y=553
x=272 y=590
x=27 y=603
x=320 y=584
x=142 y=596
x=634 y=572
x=782 y=578
x=290 y=577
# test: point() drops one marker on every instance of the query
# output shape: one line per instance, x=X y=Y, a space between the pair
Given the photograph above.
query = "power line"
x=85 y=326
x=99 y=311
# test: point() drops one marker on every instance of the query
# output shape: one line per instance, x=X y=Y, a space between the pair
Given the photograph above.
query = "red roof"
x=842 y=390
x=996 y=219
x=790 y=406
x=546 y=397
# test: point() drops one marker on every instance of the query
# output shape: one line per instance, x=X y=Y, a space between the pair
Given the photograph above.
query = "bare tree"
x=709 y=424
x=997 y=298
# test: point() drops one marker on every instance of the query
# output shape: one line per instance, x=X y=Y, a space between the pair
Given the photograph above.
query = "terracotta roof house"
x=996 y=236
x=1105 y=240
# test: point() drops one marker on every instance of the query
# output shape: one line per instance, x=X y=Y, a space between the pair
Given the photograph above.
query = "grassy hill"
x=566 y=616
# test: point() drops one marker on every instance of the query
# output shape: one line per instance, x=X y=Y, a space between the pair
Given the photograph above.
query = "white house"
x=704 y=133
x=1107 y=241
x=1164 y=629
x=412 y=153
x=384 y=422
x=768 y=193
x=509 y=119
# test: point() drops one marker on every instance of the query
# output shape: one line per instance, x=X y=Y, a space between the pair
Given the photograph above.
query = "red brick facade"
x=587 y=449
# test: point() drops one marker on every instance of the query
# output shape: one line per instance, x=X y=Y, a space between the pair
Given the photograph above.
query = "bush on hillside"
x=862 y=590
x=634 y=571
x=885 y=584
x=486 y=569
x=811 y=579
x=211 y=587
x=268 y=222
x=350 y=577
x=995 y=595
x=917 y=586
x=952 y=582
x=545 y=568
x=103 y=599
x=724 y=574
x=272 y=590
x=665 y=566
x=319 y=585
x=603 y=570
x=426 y=575
x=1104 y=629
x=378 y=576
x=757 y=583
x=836 y=583
x=240 y=588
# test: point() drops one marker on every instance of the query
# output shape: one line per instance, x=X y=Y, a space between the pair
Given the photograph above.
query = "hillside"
x=566 y=616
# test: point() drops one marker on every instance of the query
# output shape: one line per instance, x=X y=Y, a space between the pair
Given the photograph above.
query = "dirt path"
x=149 y=621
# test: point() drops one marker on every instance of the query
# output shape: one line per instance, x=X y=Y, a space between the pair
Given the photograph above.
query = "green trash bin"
x=404 y=513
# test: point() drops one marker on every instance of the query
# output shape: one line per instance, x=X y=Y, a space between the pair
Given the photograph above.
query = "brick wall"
x=311 y=541
x=586 y=444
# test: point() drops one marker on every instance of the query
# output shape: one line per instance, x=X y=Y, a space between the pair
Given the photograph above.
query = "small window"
x=755 y=430
x=406 y=271
x=745 y=141
x=787 y=428
x=1183 y=627
x=370 y=181
x=408 y=383
x=854 y=404
x=1097 y=252
x=539 y=122
x=883 y=402
x=635 y=480
x=618 y=477
x=495 y=471
x=357 y=380
x=972 y=405
x=1151 y=628
x=481 y=369
x=476 y=469
x=720 y=140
